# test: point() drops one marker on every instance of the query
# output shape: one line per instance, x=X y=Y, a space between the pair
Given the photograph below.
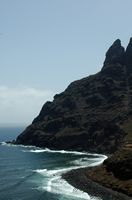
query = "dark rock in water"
x=91 y=113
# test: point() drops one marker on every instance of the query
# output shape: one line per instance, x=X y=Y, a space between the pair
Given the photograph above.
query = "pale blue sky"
x=46 y=44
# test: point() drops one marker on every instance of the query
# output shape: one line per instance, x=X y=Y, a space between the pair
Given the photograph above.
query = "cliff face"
x=92 y=113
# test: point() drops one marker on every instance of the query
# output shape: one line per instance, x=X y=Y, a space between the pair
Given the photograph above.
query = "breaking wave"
x=55 y=184
x=52 y=177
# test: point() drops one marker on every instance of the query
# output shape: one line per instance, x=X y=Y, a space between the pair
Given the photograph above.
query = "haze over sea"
x=31 y=173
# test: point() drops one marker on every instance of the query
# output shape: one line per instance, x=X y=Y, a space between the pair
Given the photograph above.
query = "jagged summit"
x=128 y=54
x=117 y=54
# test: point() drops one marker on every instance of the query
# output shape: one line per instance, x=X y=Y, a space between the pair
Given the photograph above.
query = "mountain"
x=92 y=114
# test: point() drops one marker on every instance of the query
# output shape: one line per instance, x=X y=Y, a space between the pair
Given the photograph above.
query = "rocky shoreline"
x=79 y=179
x=93 y=114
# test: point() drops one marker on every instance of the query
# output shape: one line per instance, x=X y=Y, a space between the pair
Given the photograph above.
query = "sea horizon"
x=10 y=132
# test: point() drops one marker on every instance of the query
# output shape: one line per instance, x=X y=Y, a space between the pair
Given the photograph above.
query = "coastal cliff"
x=93 y=114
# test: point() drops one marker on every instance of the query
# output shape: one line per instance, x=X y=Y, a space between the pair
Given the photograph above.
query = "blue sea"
x=31 y=173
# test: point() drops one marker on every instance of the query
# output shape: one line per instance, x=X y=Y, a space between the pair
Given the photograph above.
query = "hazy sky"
x=46 y=44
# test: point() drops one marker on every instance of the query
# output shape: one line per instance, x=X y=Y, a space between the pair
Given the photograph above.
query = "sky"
x=46 y=44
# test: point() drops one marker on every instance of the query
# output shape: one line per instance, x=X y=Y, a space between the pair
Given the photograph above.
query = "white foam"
x=17 y=145
x=25 y=146
x=57 y=185
x=51 y=151
x=57 y=151
x=37 y=151
x=54 y=172
x=65 y=152
x=40 y=150
x=62 y=187
x=41 y=171
x=8 y=144
x=54 y=183
x=84 y=161
x=3 y=143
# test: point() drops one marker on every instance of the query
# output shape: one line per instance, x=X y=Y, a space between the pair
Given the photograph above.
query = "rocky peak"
x=128 y=54
x=115 y=54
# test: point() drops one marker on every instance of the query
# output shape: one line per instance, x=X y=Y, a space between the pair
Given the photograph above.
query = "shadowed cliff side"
x=91 y=113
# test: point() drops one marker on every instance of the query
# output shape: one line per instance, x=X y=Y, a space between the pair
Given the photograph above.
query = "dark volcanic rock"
x=115 y=54
x=89 y=179
x=90 y=113
x=128 y=56
x=120 y=165
x=115 y=173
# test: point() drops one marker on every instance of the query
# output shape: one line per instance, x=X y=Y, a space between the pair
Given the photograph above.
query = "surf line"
x=56 y=184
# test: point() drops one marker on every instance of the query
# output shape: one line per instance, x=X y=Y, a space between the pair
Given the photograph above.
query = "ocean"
x=31 y=173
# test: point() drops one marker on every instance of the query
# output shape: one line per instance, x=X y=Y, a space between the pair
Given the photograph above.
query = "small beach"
x=79 y=179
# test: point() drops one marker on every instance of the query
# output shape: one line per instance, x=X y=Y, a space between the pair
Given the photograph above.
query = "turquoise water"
x=31 y=173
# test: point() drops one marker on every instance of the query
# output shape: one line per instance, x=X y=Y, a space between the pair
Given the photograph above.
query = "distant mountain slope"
x=92 y=113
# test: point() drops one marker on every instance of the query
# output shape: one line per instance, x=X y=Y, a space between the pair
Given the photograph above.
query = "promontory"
x=93 y=114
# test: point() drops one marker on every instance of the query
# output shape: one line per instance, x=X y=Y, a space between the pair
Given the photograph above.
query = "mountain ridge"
x=84 y=105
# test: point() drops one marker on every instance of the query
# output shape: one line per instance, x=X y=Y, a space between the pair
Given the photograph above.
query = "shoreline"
x=78 y=179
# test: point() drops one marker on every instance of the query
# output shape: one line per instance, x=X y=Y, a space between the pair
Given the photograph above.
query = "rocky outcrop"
x=115 y=54
x=128 y=57
x=91 y=113
x=120 y=164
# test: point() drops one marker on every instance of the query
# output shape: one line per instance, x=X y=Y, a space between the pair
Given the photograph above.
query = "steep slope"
x=92 y=113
